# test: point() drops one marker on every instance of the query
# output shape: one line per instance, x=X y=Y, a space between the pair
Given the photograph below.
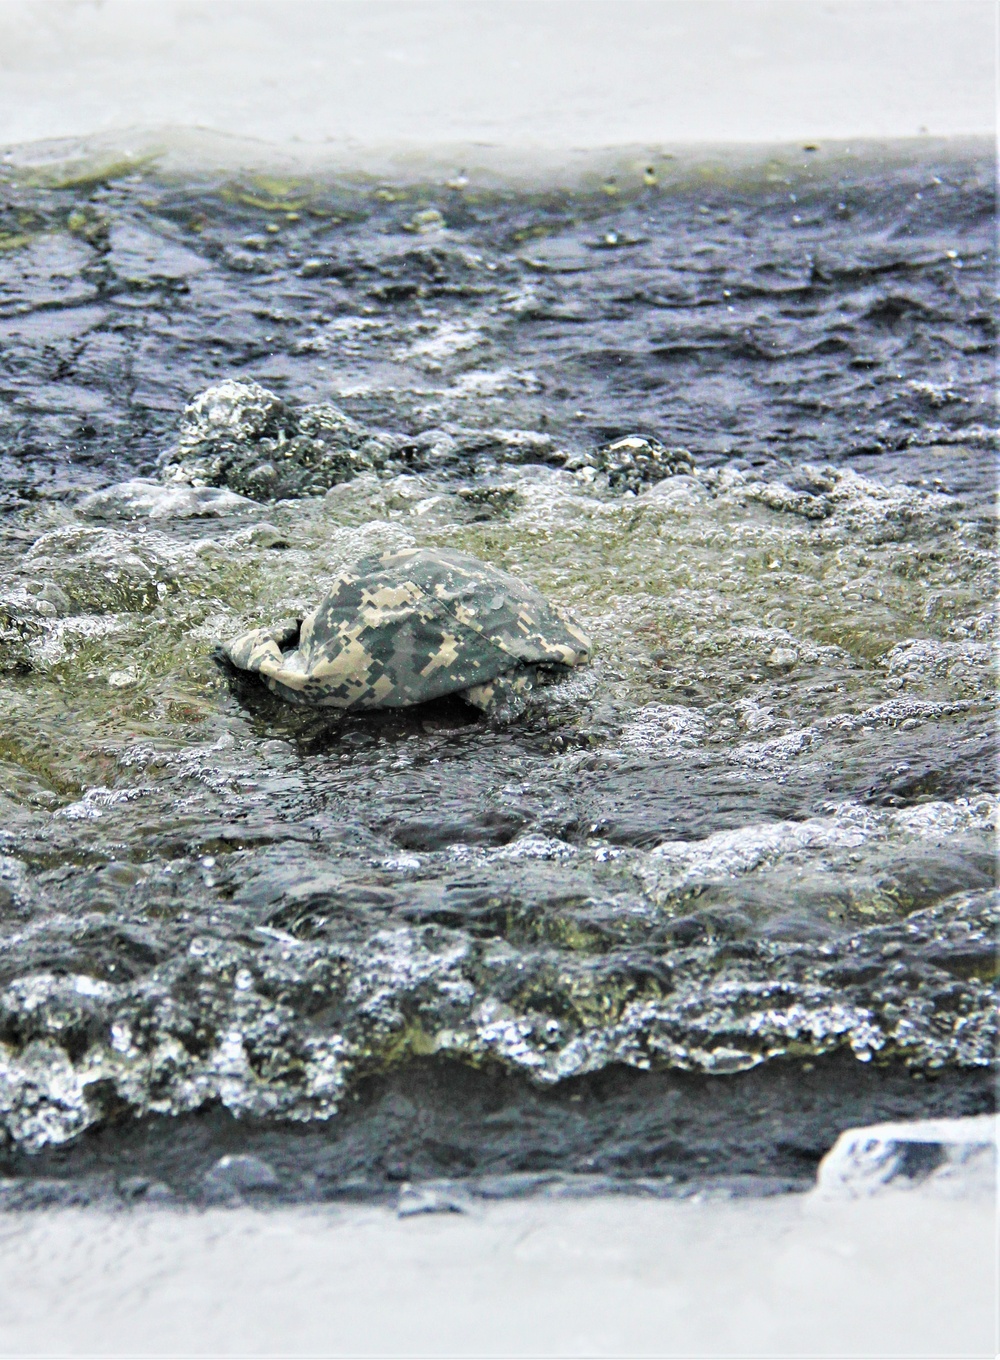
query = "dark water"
x=748 y=854
x=840 y=314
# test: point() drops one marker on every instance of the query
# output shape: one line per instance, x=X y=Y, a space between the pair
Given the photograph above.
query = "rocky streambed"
x=718 y=894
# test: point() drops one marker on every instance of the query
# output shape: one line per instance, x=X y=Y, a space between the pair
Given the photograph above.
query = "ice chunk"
x=949 y=1156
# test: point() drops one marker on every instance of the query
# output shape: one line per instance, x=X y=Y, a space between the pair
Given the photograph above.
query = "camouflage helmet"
x=414 y=625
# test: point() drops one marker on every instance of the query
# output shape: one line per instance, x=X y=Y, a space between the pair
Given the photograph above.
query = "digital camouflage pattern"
x=414 y=625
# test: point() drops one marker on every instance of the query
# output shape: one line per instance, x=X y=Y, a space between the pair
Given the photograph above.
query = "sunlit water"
x=756 y=830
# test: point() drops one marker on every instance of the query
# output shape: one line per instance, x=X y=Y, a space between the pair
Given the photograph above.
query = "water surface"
x=752 y=842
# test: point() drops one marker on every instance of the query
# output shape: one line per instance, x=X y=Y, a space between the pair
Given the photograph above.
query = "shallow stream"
x=748 y=849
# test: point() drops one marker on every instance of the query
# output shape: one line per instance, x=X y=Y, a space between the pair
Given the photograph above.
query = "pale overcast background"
x=520 y=72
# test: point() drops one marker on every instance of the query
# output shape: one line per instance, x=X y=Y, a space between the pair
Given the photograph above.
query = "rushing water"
x=747 y=853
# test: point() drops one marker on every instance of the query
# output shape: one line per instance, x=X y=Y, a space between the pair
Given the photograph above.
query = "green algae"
x=693 y=582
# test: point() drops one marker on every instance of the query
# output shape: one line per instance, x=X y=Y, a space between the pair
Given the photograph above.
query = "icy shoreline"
x=904 y=1274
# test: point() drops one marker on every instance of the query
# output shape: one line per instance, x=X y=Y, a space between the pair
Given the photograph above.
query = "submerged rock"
x=75 y=582
x=145 y=499
x=414 y=625
x=239 y=1174
x=635 y=460
x=83 y=570
x=242 y=436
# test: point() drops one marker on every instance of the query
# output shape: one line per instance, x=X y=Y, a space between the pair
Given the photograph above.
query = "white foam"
x=677 y=866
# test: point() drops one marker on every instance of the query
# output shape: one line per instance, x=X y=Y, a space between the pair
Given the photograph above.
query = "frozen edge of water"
x=901 y=1274
x=179 y=151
